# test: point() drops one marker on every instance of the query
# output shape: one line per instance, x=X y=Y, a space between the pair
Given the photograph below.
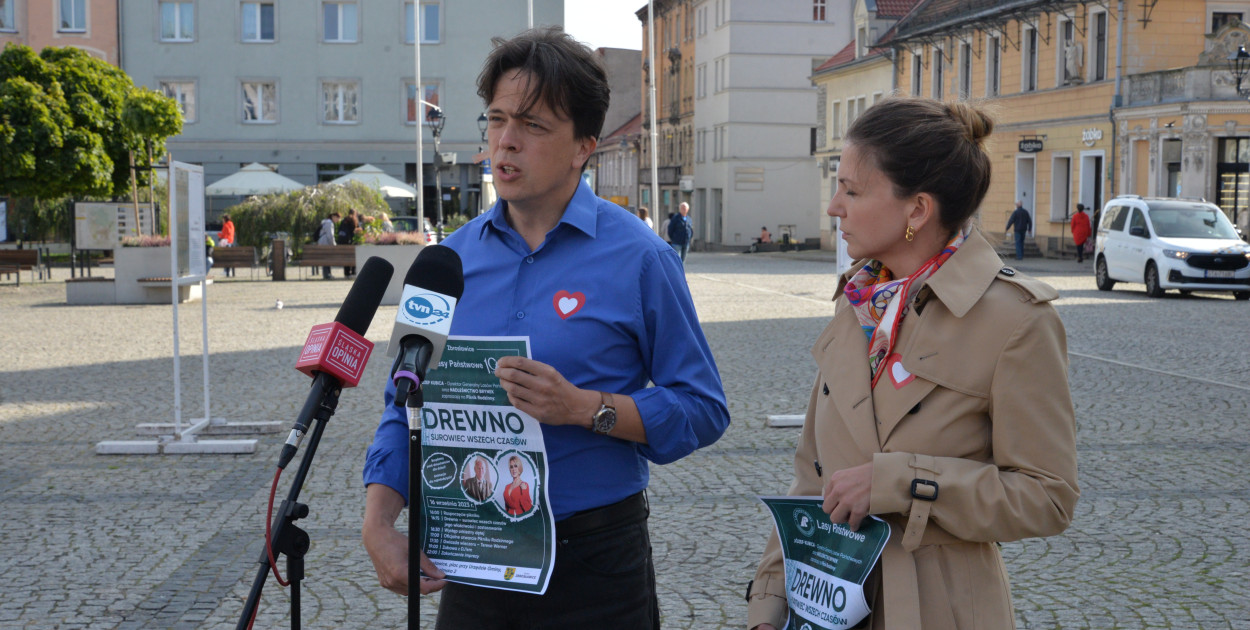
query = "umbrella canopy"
x=375 y=178
x=253 y=179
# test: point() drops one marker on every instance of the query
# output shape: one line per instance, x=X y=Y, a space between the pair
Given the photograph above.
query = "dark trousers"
x=1080 y=253
x=325 y=272
x=603 y=580
x=1020 y=245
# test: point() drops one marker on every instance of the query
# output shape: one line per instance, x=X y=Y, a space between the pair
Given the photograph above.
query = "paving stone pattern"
x=1162 y=391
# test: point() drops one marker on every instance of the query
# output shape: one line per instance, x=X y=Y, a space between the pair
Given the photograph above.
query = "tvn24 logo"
x=427 y=308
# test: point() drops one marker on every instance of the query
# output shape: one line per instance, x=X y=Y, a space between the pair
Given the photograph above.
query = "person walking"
x=646 y=217
x=681 y=231
x=1080 y=231
x=941 y=403
x=347 y=232
x=1022 y=222
x=225 y=238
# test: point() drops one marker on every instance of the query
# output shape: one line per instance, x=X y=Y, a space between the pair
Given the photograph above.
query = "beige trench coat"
x=988 y=418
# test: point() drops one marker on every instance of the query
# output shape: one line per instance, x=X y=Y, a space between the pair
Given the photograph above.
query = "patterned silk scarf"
x=880 y=301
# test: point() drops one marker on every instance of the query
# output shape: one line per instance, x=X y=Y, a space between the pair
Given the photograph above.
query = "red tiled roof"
x=628 y=129
x=843 y=56
x=894 y=8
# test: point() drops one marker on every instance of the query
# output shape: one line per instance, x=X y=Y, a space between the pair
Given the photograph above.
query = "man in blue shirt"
x=680 y=231
x=606 y=307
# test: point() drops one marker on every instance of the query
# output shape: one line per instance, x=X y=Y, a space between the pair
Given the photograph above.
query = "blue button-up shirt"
x=604 y=301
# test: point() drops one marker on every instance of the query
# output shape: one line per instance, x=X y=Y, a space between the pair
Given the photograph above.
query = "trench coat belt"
x=901 y=598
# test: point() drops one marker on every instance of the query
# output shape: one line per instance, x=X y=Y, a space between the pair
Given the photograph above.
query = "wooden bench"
x=326 y=256
x=14 y=261
x=232 y=257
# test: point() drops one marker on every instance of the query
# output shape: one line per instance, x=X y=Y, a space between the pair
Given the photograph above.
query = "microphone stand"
x=416 y=400
x=287 y=539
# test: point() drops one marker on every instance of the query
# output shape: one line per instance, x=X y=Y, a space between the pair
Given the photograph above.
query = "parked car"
x=410 y=224
x=1183 y=244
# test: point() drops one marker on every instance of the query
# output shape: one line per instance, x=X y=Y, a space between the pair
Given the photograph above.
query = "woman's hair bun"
x=976 y=123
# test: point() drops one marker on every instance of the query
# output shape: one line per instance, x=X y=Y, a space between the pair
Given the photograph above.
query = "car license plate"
x=1213 y=273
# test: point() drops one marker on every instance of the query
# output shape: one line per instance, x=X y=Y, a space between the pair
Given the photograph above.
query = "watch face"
x=605 y=419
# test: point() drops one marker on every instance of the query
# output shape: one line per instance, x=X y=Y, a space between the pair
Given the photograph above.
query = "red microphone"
x=336 y=350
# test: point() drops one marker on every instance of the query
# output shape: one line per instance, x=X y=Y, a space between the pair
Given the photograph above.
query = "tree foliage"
x=62 y=128
x=299 y=213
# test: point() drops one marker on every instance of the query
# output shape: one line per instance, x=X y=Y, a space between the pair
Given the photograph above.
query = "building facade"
x=849 y=82
x=1068 y=128
x=754 y=133
x=316 y=88
x=674 y=102
x=90 y=25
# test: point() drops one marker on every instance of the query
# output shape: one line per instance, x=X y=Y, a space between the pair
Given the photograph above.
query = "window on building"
x=429 y=94
x=7 y=20
x=993 y=65
x=1220 y=18
x=818 y=10
x=851 y=114
x=1232 y=181
x=722 y=12
x=876 y=97
x=939 y=74
x=861 y=42
x=1100 y=46
x=177 y=21
x=340 y=102
x=701 y=16
x=73 y=15
x=339 y=22
x=258 y=21
x=916 y=67
x=1028 y=78
x=700 y=80
x=700 y=146
x=260 y=102
x=431 y=28
x=184 y=93
x=965 y=70
x=835 y=119
x=328 y=172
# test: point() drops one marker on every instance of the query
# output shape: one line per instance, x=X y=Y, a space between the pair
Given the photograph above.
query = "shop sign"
x=1090 y=136
x=1032 y=145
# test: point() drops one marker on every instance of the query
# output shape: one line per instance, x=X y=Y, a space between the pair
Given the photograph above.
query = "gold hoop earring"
x=910 y=234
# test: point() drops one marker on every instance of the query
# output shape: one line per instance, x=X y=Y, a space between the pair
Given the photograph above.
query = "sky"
x=604 y=23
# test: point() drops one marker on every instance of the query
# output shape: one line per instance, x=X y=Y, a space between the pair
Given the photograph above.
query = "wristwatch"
x=605 y=419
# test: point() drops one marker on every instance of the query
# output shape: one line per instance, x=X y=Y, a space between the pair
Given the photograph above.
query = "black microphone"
x=335 y=354
x=433 y=286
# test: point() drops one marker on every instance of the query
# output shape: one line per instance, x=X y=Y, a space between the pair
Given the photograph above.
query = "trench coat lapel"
x=841 y=352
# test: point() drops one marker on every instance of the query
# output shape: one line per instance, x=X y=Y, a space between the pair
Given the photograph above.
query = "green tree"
x=298 y=214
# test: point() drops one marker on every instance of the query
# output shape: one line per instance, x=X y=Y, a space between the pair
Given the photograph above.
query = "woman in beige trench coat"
x=942 y=402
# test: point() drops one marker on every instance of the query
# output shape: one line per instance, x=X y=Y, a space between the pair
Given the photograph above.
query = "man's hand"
x=540 y=391
x=847 y=495
x=388 y=549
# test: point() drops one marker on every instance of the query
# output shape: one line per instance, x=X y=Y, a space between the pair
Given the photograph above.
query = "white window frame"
x=820 y=10
x=174 y=88
x=835 y=119
x=965 y=70
x=937 y=73
x=1058 y=205
x=994 y=69
x=700 y=81
x=1224 y=7
x=176 y=5
x=436 y=84
x=411 y=12
x=343 y=89
x=256 y=6
x=1029 y=59
x=276 y=109
x=702 y=20
x=77 y=22
x=341 y=36
x=8 y=16
x=1061 y=60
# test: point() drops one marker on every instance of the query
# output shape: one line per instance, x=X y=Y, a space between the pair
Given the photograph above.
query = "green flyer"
x=826 y=563
x=485 y=518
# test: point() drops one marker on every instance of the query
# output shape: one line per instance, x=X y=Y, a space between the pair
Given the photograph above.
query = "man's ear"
x=585 y=148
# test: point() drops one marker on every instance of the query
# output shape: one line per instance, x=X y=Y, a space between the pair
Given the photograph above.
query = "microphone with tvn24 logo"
x=335 y=354
x=432 y=287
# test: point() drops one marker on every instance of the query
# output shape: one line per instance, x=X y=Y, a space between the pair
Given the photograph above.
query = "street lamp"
x=1238 y=64
x=436 y=120
x=482 y=122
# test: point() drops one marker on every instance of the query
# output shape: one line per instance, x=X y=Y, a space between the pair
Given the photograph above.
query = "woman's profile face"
x=873 y=219
x=514 y=467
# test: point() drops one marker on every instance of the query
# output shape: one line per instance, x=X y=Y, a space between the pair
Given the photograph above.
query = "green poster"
x=826 y=563
x=485 y=518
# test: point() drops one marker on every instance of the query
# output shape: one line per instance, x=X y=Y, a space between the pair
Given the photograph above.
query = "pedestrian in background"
x=1080 y=231
x=326 y=237
x=646 y=218
x=681 y=231
x=1022 y=222
x=941 y=404
x=225 y=238
x=347 y=232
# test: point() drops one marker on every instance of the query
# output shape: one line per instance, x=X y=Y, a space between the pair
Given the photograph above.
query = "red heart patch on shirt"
x=568 y=303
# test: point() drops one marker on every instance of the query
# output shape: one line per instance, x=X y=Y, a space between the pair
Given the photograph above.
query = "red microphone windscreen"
x=336 y=350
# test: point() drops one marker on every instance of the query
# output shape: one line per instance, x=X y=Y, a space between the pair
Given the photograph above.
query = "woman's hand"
x=847 y=493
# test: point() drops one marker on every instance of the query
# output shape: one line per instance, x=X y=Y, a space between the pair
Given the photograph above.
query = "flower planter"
x=133 y=264
x=400 y=257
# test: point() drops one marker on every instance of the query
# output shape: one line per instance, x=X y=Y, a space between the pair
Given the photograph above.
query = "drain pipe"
x=1116 y=100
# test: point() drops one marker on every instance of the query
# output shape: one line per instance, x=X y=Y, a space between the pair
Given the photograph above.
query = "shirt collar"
x=581 y=213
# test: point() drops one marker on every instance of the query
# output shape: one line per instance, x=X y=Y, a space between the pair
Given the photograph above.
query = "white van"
x=1183 y=244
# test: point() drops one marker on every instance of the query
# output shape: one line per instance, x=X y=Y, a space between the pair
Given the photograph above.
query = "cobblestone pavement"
x=1162 y=390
